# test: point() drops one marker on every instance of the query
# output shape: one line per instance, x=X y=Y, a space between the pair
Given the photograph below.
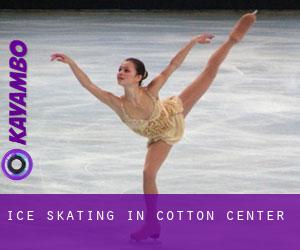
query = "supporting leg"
x=157 y=153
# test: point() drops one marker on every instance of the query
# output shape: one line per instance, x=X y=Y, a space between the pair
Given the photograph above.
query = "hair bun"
x=145 y=75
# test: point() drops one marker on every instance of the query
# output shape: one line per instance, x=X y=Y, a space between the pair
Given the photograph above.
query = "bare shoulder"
x=114 y=102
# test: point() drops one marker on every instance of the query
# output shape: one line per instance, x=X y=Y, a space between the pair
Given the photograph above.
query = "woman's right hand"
x=203 y=38
x=61 y=58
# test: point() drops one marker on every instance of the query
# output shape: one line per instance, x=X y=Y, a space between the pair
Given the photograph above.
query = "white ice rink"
x=242 y=137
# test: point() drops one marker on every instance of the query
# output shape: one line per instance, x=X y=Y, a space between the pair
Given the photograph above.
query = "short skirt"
x=174 y=107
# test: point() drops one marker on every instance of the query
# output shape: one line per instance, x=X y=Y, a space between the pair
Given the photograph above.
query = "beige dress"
x=165 y=123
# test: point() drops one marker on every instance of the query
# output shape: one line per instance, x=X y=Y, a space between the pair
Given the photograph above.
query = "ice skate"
x=242 y=26
x=148 y=230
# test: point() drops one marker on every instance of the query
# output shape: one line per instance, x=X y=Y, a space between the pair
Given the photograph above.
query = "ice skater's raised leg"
x=192 y=93
x=198 y=87
x=242 y=26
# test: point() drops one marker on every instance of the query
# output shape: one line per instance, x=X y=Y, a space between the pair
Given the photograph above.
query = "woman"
x=140 y=108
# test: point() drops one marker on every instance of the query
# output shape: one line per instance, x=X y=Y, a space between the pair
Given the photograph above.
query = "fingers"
x=206 y=38
x=53 y=58
x=209 y=38
x=58 y=57
x=208 y=35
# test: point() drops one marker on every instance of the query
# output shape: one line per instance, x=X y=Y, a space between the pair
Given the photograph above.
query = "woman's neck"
x=133 y=94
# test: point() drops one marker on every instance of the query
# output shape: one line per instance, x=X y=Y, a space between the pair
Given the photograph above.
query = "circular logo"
x=16 y=164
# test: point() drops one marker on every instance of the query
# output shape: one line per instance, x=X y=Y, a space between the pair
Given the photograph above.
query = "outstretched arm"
x=104 y=96
x=156 y=84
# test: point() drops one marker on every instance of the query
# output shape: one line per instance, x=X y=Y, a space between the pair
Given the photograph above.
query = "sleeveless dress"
x=165 y=123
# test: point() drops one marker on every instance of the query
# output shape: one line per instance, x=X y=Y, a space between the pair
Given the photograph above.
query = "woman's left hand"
x=203 y=38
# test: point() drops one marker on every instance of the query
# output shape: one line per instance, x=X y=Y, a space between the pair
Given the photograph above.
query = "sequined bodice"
x=157 y=123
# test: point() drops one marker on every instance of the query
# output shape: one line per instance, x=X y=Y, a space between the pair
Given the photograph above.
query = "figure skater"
x=161 y=121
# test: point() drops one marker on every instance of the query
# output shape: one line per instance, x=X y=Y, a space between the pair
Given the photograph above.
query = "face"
x=127 y=74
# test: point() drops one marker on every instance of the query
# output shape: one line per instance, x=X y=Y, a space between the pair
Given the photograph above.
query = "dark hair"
x=139 y=67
